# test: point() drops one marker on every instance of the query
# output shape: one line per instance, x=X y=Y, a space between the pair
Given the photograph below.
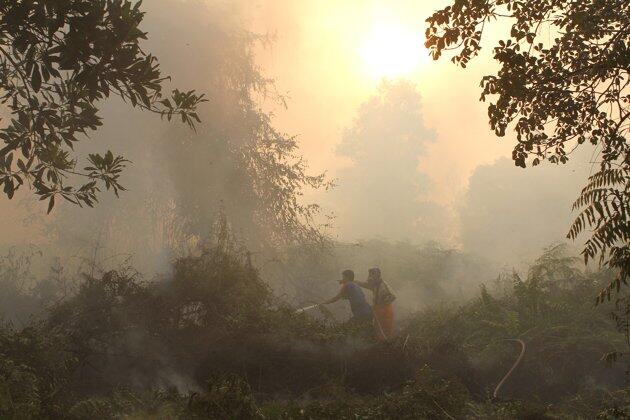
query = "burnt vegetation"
x=211 y=341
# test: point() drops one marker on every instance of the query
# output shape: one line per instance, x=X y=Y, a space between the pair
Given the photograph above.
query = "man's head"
x=374 y=275
x=347 y=276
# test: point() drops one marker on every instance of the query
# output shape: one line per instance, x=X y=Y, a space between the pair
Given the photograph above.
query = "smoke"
x=509 y=215
x=383 y=193
x=179 y=181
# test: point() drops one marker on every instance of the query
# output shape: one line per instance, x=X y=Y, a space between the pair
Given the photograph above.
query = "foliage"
x=605 y=199
x=225 y=397
x=559 y=95
x=278 y=179
x=237 y=165
x=549 y=309
x=58 y=60
x=213 y=315
x=240 y=164
x=25 y=294
x=421 y=275
x=425 y=396
x=210 y=341
x=34 y=373
x=16 y=279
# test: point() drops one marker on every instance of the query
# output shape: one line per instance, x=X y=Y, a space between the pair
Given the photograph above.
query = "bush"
x=551 y=310
x=211 y=341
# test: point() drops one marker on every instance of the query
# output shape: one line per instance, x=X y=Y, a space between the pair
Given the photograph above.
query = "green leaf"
x=51 y=203
x=36 y=78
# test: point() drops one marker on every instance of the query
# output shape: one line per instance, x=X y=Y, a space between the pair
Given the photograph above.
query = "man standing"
x=383 y=308
x=361 y=311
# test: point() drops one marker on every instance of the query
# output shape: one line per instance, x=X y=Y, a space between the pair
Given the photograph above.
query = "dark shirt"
x=358 y=304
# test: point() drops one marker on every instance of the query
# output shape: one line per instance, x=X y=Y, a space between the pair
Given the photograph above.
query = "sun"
x=391 y=51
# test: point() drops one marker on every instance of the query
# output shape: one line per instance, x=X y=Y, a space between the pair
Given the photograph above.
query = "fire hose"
x=518 y=361
x=499 y=385
x=306 y=308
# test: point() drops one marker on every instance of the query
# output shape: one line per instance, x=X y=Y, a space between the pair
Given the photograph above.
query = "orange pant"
x=384 y=322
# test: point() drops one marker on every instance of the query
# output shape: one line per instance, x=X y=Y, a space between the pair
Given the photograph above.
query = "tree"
x=385 y=144
x=237 y=163
x=240 y=164
x=58 y=59
x=558 y=95
x=509 y=216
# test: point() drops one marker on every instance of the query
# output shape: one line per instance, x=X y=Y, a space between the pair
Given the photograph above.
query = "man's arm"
x=334 y=299
x=363 y=284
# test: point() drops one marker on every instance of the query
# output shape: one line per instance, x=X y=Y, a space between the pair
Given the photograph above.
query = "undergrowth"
x=212 y=341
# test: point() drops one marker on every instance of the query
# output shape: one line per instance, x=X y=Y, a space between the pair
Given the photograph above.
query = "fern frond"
x=605 y=204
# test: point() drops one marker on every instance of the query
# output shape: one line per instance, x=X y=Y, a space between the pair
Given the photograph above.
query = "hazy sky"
x=329 y=57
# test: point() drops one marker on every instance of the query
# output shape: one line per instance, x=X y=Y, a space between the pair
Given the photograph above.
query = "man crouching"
x=361 y=310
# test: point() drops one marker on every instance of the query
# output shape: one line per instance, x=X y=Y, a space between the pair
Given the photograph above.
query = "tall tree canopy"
x=558 y=94
x=239 y=163
x=385 y=144
x=58 y=59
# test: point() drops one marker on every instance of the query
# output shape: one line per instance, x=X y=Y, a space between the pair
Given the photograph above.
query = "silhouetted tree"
x=557 y=95
x=239 y=163
x=382 y=190
x=509 y=215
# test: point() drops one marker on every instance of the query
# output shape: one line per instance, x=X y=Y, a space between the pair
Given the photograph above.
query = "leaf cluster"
x=557 y=94
x=58 y=60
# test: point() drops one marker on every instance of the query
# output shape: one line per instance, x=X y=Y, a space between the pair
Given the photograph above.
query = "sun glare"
x=392 y=50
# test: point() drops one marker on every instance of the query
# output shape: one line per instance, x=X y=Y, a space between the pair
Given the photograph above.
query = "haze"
x=335 y=233
x=330 y=60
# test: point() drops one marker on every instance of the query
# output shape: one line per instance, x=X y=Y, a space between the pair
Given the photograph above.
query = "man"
x=361 y=311
x=383 y=308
